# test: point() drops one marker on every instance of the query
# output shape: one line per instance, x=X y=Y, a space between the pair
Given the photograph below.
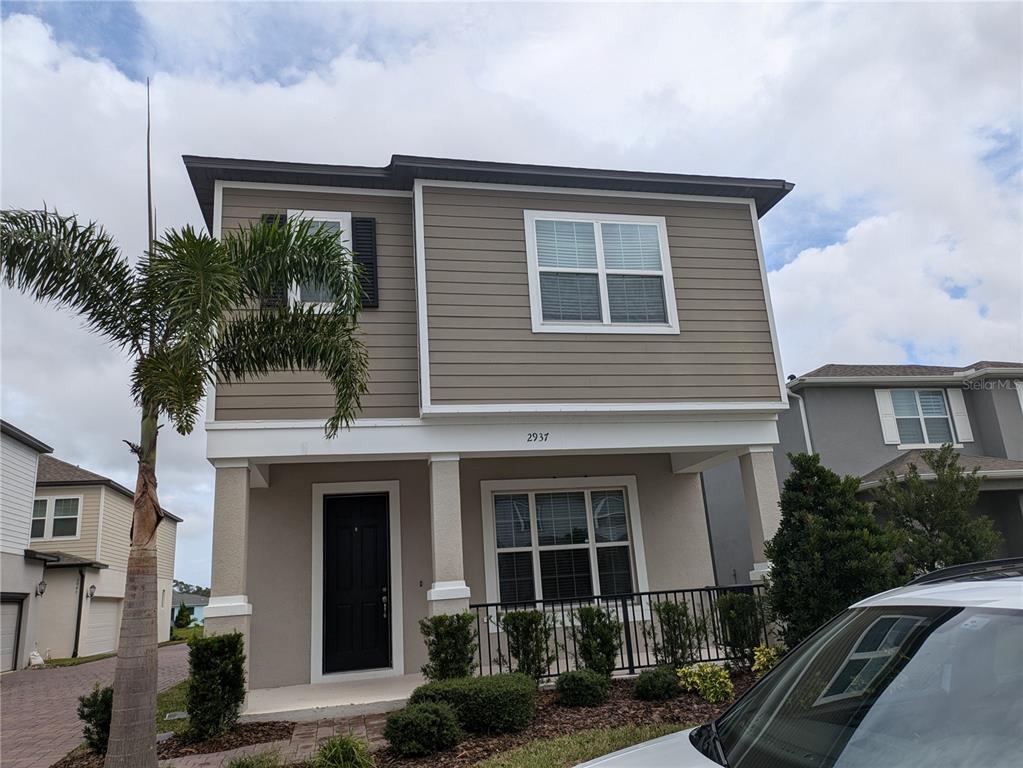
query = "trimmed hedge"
x=497 y=704
x=450 y=645
x=582 y=688
x=422 y=729
x=657 y=684
x=598 y=638
x=216 y=689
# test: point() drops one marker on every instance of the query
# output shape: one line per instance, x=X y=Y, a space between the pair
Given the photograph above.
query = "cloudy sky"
x=899 y=124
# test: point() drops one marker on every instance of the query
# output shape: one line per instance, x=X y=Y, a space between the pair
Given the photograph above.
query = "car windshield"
x=904 y=687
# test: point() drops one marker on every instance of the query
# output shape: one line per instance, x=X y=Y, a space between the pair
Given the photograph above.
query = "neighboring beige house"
x=21 y=571
x=81 y=524
x=555 y=356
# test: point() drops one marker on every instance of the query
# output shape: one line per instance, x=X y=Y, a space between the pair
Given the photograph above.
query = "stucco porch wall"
x=676 y=543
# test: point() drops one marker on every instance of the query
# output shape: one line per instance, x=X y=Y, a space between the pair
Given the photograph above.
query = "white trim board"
x=397 y=668
x=767 y=302
x=317 y=189
x=422 y=316
x=489 y=487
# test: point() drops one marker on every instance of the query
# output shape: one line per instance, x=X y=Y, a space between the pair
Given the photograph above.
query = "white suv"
x=924 y=676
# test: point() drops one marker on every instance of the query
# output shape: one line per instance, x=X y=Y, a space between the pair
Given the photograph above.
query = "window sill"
x=636 y=330
x=923 y=446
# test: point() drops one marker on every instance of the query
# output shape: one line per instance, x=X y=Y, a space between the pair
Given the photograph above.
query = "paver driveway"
x=38 y=723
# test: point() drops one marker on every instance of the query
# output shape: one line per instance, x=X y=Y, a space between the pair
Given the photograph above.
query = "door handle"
x=383 y=600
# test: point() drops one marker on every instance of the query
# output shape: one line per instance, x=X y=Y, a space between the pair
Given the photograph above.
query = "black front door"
x=356 y=588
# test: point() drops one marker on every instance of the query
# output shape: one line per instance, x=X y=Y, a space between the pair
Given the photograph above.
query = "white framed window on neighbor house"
x=56 y=517
x=331 y=221
x=923 y=418
x=599 y=273
x=562 y=539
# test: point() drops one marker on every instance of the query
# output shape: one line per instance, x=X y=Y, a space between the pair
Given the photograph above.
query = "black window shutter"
x=364 y=244
x=278 y=296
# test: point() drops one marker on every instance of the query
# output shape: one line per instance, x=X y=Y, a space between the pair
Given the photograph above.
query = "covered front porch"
x=327 y=563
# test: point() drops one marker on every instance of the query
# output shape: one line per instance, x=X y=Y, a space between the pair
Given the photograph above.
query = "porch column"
x=760 y=495
x=229 y=609
x=448 y=593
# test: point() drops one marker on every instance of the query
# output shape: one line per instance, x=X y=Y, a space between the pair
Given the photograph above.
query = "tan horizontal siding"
x=88 y=522
x=483 y=349
x=388 y=332
x=115 y=542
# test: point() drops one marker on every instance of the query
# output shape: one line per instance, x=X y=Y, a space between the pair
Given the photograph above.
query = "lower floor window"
x=562 y=545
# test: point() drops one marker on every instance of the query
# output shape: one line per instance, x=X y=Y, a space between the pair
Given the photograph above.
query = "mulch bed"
x=241 y=735
x=554 y=720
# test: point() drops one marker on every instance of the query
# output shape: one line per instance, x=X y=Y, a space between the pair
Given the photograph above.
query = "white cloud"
x=881 y=109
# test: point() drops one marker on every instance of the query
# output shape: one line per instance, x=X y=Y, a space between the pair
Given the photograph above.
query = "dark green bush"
x=343 y=752
x=217 y=686
x=528 y=633
x=741 y=619
x=582 y=688
x=450 y=645
x=497 y=704
x=184 y=618
x=94 y=709
x=677 y=636
x=657 y=684
x=422 y=729
x=598 y=639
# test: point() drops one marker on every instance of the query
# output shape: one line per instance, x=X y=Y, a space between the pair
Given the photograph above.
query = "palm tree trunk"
x=133 y=729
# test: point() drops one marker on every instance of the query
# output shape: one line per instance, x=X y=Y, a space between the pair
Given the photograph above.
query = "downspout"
x=78 y=619
x=802 y=418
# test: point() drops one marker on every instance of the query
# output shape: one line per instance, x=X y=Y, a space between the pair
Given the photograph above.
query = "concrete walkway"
x=38 y=719
x=304 y=742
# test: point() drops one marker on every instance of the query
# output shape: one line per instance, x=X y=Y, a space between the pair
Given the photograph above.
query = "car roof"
x=992 y=584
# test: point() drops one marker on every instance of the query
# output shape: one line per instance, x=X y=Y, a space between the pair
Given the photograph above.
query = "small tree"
x=930 y=521
x=184 y=618
x=829 y=550
x=450 y=645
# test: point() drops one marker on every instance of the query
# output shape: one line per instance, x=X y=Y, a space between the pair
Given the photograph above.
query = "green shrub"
x=94 y=709
x=528 y=634
x=450 y=645
x=217 y=684
x=344 y=752
x=676 y=635
x=829 y=551
x=582 y=688
x=657 y=684
x=262 y=760
x=741 y=625
x=709 y=680
x=184 y=618
x=422 y=729
x=497 y=704
x=598 y=639
x=764 y=659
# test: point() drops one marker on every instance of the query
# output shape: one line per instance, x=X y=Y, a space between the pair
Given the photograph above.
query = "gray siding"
x=483 y=350
x=389 y=332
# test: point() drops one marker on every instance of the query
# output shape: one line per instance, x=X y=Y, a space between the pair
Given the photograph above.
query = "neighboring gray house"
x=867 y=419
x=196 y=603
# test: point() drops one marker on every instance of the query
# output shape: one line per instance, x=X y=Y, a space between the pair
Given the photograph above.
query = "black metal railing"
x=643 y=628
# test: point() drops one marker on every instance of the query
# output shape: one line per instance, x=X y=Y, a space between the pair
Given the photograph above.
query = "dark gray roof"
x=838 y=370
x=403 y=170
x=23 y=437
x=63 y=560
x=187 y=598
x=901 y=463
x=54 y=473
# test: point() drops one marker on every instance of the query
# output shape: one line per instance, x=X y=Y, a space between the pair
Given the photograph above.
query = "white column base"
x=760 y=572
x=228 y=605
x=448 y=590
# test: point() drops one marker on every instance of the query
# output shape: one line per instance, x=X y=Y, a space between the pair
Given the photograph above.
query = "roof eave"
x=954 y=378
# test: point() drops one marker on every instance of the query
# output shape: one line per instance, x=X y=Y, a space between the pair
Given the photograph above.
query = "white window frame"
x=491 y=488
x=922 y=419
x=605 y=325
x=344 y=221
x=51 y=503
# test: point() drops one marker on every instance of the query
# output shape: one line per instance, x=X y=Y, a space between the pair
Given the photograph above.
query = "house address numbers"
x=537 y=437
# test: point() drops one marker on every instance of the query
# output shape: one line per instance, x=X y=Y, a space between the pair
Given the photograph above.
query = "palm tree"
x=193 y=311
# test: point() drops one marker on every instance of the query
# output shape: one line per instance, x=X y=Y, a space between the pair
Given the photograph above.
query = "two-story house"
x=554 y=355
x=80 y=527
x=21 y=572
x=867 y=420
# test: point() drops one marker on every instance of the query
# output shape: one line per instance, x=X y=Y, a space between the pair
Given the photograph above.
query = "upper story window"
x=596 y=273
x=56 y=518
x=914 y=418
x=329 y=221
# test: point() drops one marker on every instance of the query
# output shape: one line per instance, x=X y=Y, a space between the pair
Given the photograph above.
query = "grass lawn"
x=171 y=700
x=182 y=635
x=575 y=748
x=79 y=660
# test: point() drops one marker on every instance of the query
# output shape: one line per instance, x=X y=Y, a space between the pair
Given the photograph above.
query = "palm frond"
x=54 y=258
x=173 y=378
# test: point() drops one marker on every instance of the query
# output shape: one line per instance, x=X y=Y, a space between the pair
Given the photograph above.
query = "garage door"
x=10 y=612
x=103 y=626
